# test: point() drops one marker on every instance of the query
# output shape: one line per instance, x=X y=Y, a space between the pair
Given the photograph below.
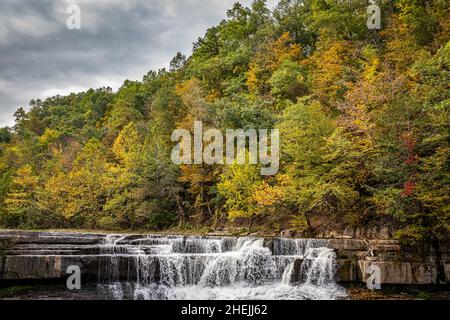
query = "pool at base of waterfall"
x=240 y=291
x=194 y=268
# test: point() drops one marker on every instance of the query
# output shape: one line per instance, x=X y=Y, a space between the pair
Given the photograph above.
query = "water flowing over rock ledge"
x=161 y=267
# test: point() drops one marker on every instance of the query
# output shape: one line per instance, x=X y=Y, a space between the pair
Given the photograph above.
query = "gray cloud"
x=118 y=40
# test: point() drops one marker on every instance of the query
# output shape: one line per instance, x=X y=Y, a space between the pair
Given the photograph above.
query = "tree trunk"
x=181 y=213
x=310 y=230
x=251 y=224
x=439 y=263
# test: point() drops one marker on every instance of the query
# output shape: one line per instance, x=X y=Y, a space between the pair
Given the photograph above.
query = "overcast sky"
x=118 y=40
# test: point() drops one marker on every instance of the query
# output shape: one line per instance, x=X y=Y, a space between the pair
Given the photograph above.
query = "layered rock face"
x=423 y=264
x=40 y=256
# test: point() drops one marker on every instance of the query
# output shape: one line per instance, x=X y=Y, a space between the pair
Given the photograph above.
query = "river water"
x=195 y=268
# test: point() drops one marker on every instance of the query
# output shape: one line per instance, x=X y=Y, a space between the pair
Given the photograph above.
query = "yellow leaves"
x=80 y=194
x=55 y=198
x=248 y=194
x=331 y=68
x=25 y=174
x=266 y=195
x=252 y=78
x=23 y=190
x=189 y=91
x=360 y=118
x=372 y=63
x=233 y=214
x=24 y=180
x=402 y=49
x=372 y=70
x=196 y=174
x=49 y=136
x=213 y=95
x=183 y=88
x=126 y=145
x=269 y=58
x=236 y=186
x=283 y=49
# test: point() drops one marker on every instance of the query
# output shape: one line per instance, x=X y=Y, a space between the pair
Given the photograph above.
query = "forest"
x=363 y=116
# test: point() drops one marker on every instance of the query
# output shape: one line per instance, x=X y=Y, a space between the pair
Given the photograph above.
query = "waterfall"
x=249 y=262
x=170 y=267
x=320 y=270
x=287 y=274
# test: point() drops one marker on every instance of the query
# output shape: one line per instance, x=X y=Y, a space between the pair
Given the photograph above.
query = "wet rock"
x=346 y=270
x=269 y=243
x=297 y=275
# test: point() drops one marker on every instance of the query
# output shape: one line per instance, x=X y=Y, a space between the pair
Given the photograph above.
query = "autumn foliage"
x=364 y=118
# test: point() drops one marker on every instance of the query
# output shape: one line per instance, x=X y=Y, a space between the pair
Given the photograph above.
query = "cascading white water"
x=288 y=273
x=217 y=268
x=320 y=269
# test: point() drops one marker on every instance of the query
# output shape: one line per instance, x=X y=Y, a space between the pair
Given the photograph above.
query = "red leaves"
x=408 y=189
x=410 y=143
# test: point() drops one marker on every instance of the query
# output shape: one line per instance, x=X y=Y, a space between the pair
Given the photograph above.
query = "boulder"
x=287 y=233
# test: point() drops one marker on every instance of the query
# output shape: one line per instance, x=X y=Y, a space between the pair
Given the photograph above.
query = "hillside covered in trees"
x=364 y=120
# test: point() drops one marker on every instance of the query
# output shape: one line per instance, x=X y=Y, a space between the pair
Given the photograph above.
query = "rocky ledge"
x=44 y=256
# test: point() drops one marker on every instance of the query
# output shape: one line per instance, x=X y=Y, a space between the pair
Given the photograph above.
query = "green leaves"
x=288 y=81
x=324 y=163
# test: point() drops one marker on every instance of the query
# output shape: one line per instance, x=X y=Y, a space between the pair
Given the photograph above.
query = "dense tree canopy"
x=364 y=118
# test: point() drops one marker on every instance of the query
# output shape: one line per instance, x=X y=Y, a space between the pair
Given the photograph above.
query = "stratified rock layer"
x=41 y=256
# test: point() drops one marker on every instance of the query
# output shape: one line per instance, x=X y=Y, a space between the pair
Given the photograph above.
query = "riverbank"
x=60 y=292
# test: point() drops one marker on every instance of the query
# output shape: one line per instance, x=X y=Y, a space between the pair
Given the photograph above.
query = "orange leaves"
x=266 y=195
x=408 y=189
x=283 y=49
